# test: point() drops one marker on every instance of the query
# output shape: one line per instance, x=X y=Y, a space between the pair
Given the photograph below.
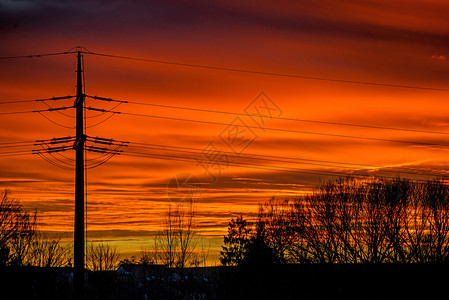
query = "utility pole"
x=81 y=143
x=78 y=251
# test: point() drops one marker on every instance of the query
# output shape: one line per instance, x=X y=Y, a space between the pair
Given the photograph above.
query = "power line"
x=17 y=146
x=53 y=163
x=54 y=122
x=37 y=100
x=198 y=152
x=190 y=159
x=100 y=122
x=57 y=140
x=15 y=154
x=64 y=157
x=103 y=111
x=239 y=70
x=108 y=153
x=37 y=55
x=18 y=142
x=255 y=72
x=59 y=112
x=48 y=148
x=35 y=111
x=103 y=161
x=17 y=112
x=133 y=144
x=284 y=130
x=269 y=117
x=255 y=166
x=68 y=164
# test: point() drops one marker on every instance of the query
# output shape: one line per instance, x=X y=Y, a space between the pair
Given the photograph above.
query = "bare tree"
x=201 y=256
x=49 y=252
x=177 y=241
x=204 y=254
x=102 y=257
x=17 y=230
x=149 y=255
x=166 y=240
x=373 y=220
x=275 y=215
x=186 y=235
x=436 y=239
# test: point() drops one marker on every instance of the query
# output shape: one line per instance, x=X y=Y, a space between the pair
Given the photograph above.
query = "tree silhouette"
x=47 y=252
x=176 y=243
x=258 y=251
x=102 y=257
x=352 y=221
x=17 y=230
x=235 y=242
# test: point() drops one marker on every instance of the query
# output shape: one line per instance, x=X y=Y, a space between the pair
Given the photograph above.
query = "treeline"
x=345 y=222
x=176 y=245
x=21 y=244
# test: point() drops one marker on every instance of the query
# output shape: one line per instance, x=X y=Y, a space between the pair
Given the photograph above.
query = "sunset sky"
x=398 y=45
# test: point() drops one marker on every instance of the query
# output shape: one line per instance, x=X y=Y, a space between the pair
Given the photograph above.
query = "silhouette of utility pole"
x=81 y=143
x=78 y=251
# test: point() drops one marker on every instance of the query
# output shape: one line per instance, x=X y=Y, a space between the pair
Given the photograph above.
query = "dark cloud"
x=304 y=18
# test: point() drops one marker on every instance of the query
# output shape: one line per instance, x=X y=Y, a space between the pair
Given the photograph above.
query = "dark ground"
x=362 y=281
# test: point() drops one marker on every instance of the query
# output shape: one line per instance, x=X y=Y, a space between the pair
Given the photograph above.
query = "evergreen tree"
x=236 y=242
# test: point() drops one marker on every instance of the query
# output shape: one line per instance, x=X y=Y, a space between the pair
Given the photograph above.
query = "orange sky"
x=393 y=42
